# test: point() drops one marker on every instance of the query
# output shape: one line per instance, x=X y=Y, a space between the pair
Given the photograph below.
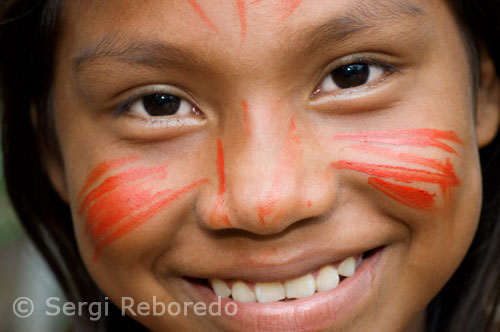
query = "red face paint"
x=137 y=219
x=123 y=201
x=415 y=198
x=128 y=199
x=404 y=157
x=265 y=209
x=442 y=173
x=220 y=168
x=202 y=14
x=292 y=132
x=240 y=4
x=216 y=211
x=401 y=174
x=102 y=169
x=287 y=7
x=112 y=182
x=413 y=137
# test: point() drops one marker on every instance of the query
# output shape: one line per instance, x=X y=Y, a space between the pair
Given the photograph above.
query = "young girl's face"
x=257 y=142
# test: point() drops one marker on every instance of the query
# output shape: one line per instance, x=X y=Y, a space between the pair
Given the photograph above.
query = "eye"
x=351 y=76
x=162 y=104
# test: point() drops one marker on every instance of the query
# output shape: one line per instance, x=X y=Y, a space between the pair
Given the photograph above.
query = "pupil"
x=161 y=104
x=350 y=76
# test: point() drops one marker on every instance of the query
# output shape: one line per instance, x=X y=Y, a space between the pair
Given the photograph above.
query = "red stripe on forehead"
x=202 y=14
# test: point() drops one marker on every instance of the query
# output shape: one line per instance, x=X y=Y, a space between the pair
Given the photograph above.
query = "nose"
x=269 y=176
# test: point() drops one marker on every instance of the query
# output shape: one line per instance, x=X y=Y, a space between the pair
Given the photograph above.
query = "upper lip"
x=261 y=267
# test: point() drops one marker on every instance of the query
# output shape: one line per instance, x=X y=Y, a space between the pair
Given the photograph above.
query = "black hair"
x=28 y=33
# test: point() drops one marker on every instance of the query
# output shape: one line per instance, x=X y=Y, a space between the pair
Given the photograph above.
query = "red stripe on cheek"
x=412 y=197
x=401 y=156
x=112 y=209
x=402 y=174
x=137 y=220
x=103 y=168
x=112 y=182
x=413 y=137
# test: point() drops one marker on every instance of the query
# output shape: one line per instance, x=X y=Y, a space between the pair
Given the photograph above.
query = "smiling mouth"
x=322 y=279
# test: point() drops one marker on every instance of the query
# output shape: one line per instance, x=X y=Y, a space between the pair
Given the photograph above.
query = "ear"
x=488 y=102
x=52 y=163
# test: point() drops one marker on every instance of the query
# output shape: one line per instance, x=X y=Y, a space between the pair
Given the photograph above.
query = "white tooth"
x=220 y=288
x=347 y=267
x=328 y=278
x=269 y=291
x=300 y=287
x=242 y=293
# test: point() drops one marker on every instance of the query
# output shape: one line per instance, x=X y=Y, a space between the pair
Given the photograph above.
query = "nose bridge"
x=264 y=178
x=259 y=191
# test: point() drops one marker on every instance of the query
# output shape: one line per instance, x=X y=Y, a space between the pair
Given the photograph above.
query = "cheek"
x=399 y=174
x=118 y=197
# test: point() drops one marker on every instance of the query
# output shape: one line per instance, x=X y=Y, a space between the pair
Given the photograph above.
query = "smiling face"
x=235 y=148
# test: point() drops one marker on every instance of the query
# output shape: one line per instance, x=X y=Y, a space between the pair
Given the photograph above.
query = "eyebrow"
x=365 y=17
x=143 y=52
x=159 y=54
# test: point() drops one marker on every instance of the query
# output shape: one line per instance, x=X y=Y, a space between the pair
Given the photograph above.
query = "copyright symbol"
x=23 y=307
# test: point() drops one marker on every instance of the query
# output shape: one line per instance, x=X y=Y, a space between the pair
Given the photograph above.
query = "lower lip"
x=319 y=311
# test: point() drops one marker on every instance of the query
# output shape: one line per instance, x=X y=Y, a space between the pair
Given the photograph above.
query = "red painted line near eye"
x=103 y=168
x=202 y=14
x=113 y=182
x=412 y=197
x=287 y=7
x=240 y=4
x=246 y=118
x=142 y=217
x=412 y=137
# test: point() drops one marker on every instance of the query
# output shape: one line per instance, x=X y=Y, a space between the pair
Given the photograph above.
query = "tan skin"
x=316 y=208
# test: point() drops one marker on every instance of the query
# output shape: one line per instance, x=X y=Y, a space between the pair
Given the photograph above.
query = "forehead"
x=246 y=26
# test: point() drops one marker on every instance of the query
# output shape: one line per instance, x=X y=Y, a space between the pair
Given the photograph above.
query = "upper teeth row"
x=327 y=278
